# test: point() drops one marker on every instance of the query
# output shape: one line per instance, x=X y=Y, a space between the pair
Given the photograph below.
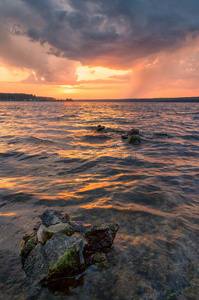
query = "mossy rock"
x=134 y=139
x=68 y=264
x=61 y=256
x=28 y=247
x=28 y=235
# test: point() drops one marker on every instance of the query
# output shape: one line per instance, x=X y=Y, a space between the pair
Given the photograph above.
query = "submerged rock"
x=98 y=257
x=100 y=238
x=60 y=256
x=52 y=217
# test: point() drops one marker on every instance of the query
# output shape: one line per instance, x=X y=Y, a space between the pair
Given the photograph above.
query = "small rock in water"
x=99 y=127
x=133 y=131
x=100 y=238
x=133 y=136
x=134 y=139
x=99 y=257
x=41 y=234
x=52 y=217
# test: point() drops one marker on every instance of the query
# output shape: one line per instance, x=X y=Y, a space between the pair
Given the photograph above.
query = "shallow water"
x=52 y=157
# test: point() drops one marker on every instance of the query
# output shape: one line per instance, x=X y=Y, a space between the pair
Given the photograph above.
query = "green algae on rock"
x=28 y=235
x=134 y=139
x=71 y=262
x=52 y=260
x=60 y=252
x=28 y=247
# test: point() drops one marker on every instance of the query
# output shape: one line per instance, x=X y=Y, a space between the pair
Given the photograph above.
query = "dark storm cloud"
x=112 y=32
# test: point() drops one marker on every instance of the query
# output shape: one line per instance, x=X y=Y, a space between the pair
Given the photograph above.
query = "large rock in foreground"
x=60 y=255
x=100 y=238
x=55 y=250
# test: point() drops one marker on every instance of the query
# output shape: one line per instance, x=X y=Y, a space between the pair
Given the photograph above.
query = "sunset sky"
x=87 y=49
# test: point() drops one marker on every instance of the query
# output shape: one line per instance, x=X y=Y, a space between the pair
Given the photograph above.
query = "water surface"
x=52 y=157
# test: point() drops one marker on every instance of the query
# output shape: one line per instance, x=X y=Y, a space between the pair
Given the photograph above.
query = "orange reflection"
x=131 y=207
x=94 y=185
x=7 y=214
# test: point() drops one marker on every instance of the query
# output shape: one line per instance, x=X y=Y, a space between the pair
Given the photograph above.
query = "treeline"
x=17 y=97
x=27 y=97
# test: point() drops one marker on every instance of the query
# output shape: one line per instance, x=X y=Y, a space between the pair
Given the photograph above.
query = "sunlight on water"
x=51 y=156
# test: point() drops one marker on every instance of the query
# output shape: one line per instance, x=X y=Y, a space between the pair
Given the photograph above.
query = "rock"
x=61 y=227
x=134 y=139
x=100 y=238
x=37 y=225
x=100 y=259
x=41 y=234
x=28 y=235
x=36 y=265
x=28 y=247
x=61 y=256
x=133 y=136
x=66 y=218
x=52 y=217
x=133 y=131
x=99 y=127
x=63 y=250
x=80 y=227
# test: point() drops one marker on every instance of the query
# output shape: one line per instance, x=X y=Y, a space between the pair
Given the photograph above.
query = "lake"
x=51 y=156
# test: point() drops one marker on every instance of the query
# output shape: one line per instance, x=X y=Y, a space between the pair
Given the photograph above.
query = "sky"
x=100 y=49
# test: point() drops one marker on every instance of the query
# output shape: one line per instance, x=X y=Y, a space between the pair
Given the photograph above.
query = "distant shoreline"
x=137 y=100
x=15 y=97
x=157 y=100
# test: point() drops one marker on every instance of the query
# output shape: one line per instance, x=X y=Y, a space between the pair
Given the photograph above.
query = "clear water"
x=52 y=157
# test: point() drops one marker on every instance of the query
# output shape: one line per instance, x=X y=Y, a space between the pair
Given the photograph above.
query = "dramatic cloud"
x=115 y=30
x=52 y=36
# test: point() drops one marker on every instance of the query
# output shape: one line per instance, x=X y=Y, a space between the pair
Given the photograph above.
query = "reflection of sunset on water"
x=53 y=157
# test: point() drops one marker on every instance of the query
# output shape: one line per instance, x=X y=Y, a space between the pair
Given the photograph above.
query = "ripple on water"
x=52 y=157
